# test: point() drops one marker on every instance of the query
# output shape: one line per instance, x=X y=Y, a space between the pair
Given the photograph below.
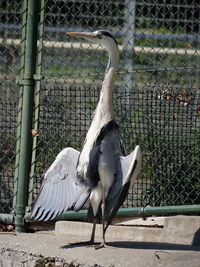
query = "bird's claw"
x=102 y=245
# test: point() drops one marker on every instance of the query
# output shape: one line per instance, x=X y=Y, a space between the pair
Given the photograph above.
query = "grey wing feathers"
x=59 y=190
x=129 y=170
x=126 y=175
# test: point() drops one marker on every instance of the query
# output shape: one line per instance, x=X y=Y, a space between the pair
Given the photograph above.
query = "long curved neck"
x=105 y=102
x=104 y=110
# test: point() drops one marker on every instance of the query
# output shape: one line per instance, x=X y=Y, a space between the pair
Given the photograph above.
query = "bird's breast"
x=106 y=172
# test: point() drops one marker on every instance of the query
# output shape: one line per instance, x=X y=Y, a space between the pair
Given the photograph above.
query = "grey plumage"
x=101 y=171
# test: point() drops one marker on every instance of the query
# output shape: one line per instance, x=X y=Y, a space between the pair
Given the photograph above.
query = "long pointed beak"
x=83 y=34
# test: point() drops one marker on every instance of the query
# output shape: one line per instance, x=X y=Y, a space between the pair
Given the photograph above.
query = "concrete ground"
x=128 y=246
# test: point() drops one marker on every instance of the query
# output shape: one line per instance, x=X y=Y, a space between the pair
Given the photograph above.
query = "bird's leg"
x=103 y=243
x=91 y=242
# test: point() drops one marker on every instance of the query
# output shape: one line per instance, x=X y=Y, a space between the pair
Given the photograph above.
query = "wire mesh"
x=156 y=97
x=10 y=15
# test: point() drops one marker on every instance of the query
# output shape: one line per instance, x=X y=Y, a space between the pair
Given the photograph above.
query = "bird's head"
x=103 y=38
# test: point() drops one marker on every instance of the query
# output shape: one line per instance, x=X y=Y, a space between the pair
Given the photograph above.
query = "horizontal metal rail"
x=135 y=212
x=125 y=212
x=6 y=218
x=140 y=211
x=87 y=46
x=155 y=36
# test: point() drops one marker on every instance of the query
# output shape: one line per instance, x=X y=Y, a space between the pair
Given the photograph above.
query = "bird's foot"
x=102 y=245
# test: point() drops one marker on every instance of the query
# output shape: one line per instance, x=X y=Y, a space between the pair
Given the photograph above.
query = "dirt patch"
x=6 y=227
x=15 y=258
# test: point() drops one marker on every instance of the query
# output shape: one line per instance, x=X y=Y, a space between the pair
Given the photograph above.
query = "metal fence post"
x=129 y=29
x=27 y=84
x=23 y=38
x=38 y=77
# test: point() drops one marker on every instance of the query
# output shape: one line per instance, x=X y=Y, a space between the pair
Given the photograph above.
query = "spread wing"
x=60 y=189
x=128 y=170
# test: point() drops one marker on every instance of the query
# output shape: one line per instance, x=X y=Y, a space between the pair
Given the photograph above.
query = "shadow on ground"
x=139 y=245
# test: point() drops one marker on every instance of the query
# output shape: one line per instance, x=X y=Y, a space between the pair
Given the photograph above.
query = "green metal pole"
x=37 y=78
x=27 y=113
x=139 y=212
x=160 y=210
x=23 y=38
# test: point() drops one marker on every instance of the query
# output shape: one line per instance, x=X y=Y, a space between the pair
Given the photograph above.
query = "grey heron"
x=101 y=171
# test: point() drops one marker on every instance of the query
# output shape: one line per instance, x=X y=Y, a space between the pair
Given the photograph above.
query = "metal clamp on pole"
x=27 y=82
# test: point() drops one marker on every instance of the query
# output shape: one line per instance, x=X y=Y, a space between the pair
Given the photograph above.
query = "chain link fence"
x=10 y=34
x=156 y=97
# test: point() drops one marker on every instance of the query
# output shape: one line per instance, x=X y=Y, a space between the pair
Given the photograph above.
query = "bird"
x=100 y=172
